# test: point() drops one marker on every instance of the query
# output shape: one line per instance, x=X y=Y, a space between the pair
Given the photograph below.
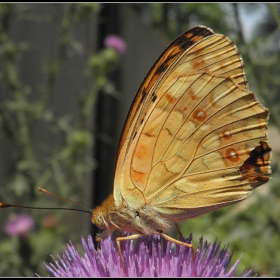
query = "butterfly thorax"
x=110 y=217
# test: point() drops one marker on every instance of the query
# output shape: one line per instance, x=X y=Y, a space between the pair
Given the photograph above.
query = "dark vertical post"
x=105 y=116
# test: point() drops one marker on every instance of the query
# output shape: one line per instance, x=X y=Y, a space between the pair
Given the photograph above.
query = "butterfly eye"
x=100 y=220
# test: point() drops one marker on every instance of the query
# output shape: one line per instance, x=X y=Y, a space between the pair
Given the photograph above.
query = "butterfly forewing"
x=194 y=125
x=137 y=113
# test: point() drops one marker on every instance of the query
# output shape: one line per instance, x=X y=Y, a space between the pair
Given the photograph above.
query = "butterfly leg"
x=123 y=238
x=98 y=240
x=168 y=238
x=178 y=229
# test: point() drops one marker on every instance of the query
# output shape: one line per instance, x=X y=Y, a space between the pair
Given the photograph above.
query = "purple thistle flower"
x=19 y=225
x=150 y=256
x=115 y=42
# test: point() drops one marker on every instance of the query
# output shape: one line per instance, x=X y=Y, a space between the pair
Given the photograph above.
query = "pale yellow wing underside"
x=189 y=137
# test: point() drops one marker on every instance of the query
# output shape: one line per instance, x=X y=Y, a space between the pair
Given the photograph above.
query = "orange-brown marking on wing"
x=191 y=94
x=189 y=35
x=139 y=176
x=256 y=168
x=227 y=134
x=199 y=115
x=170 y=99
x=198 y=63
x=232 y=155
x=142 y=151
x=197 y=38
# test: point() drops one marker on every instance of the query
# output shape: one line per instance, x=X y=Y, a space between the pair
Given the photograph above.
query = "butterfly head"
x=98 y=218
x=100 y=215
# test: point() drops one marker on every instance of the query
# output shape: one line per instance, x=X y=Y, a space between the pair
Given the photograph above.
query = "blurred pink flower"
x=19 y=225
x=115 y=42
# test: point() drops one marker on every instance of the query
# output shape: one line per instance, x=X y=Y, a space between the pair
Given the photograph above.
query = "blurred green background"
x=64 y=97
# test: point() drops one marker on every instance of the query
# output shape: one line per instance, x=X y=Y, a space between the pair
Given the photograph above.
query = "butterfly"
x=195 y=140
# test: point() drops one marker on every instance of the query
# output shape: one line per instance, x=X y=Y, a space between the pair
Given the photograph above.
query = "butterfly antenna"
x=65 y=199
x=5 y=205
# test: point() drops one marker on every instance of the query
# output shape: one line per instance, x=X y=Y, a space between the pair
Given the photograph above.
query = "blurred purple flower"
x=150 y=257
x=115 y=42
x=19 y=225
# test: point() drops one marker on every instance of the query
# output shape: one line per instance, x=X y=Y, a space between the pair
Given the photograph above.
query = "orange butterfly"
x=194 y=140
